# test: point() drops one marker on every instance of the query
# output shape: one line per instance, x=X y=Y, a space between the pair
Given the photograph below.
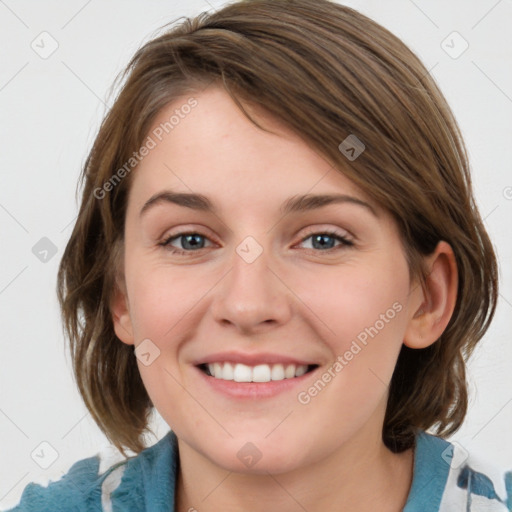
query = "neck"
x=359 y=476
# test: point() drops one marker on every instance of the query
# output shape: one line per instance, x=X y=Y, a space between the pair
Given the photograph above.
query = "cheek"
x=161 y=298
x=361 y=309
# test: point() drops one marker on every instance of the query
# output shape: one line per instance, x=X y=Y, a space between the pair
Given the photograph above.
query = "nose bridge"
x=251 y=295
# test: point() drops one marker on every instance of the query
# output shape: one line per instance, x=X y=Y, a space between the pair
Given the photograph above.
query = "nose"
x=252 y=297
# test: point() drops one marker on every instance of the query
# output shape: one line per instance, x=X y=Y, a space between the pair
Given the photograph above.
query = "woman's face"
x=259 y=282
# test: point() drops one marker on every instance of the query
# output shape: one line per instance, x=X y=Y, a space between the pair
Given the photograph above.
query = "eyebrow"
x=294 y=204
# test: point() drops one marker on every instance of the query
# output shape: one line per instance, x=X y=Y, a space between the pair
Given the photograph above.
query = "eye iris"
x=321 y=238
x=189 y=243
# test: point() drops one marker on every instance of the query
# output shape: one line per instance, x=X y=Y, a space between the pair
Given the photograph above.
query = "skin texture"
x=294 y=299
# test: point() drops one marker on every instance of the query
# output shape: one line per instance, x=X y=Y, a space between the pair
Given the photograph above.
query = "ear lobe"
x=437 y=301
x=119 y=308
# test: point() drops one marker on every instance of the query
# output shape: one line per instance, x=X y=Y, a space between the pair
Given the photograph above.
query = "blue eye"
x=321 y=240
x=192 y=242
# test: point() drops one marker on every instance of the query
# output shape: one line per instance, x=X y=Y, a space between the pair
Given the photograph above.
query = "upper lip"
x=252 y=359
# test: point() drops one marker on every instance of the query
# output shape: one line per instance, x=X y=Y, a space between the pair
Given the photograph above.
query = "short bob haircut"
x=327 y=72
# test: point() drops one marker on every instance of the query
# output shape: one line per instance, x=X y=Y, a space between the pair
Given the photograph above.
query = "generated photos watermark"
x=304 y=397
x=150 y=143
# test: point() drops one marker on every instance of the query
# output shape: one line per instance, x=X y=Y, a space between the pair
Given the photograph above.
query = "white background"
x=50 y=111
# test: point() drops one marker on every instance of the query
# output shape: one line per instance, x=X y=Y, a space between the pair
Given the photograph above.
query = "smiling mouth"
x=258 y=373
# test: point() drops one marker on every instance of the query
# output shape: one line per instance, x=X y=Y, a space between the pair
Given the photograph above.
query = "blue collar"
x=149 y=482
x=431 y=467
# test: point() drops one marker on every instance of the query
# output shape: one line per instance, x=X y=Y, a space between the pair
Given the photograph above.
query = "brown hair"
x=326 y=71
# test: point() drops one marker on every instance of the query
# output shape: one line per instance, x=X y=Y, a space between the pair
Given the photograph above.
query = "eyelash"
x=344 y=241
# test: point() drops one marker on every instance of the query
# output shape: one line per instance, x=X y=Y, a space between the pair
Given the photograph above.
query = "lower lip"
x=254 y=389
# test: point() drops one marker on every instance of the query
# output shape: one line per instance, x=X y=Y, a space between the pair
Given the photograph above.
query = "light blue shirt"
x=445 y=479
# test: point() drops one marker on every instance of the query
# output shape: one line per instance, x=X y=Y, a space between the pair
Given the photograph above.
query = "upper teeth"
x=259 y=373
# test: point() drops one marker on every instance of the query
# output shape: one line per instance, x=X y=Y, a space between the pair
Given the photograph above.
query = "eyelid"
x=343 y=233
x=188 y=230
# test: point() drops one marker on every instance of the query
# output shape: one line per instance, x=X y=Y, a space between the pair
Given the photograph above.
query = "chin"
x=269 y=463
x=252 y=455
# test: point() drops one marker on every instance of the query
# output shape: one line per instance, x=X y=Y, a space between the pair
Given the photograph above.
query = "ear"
x=120 y=310
x=436 y=301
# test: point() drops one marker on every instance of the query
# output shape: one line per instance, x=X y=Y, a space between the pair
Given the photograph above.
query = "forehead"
x=213 y=149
